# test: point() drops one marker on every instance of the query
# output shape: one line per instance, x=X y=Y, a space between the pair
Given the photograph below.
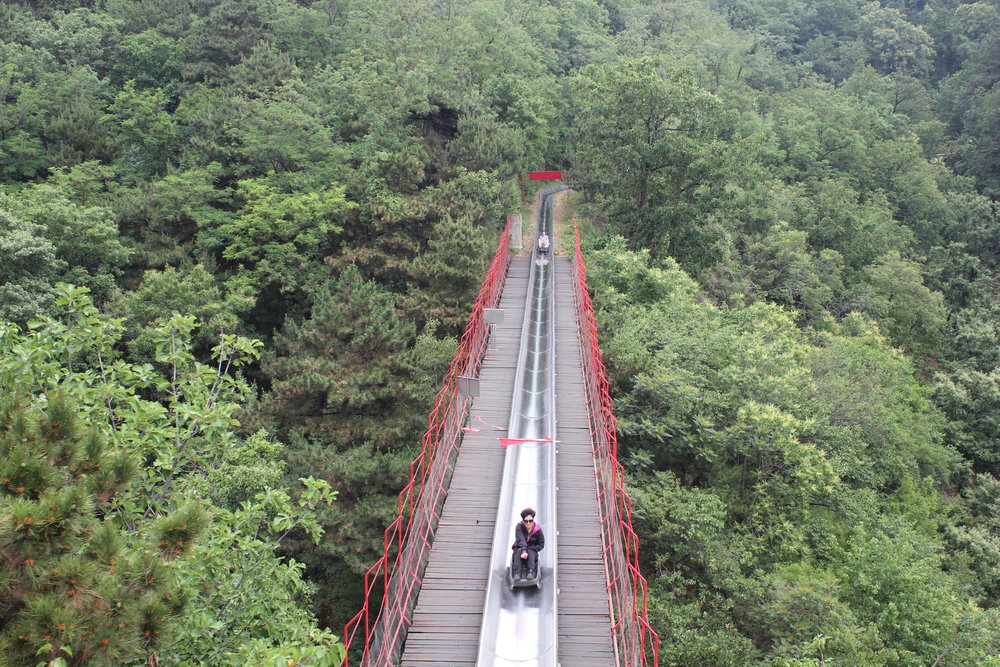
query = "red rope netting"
x=636 y=642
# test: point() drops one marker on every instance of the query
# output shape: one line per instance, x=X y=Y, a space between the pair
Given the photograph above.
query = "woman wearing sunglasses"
x=528 y=541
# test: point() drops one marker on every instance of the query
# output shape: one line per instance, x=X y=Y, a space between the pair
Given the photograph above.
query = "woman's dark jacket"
x=523 y=541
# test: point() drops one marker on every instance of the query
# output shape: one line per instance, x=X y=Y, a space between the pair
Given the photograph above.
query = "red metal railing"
x=635 y=641
x=407 y=540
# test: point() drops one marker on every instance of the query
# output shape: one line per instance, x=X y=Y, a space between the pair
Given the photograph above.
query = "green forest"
x=240 y=239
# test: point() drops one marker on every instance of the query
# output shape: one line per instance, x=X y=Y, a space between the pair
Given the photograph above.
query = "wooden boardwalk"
x=449 y=611
x=585 y=638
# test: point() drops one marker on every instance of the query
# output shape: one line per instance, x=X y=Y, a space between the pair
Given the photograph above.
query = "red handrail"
x=636 y=641
x=408 y=538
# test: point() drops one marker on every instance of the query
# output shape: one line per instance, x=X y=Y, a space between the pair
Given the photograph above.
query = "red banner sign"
x=545 y=176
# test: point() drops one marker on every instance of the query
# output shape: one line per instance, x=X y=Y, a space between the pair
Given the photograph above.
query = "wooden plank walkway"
x=585 y=638
x=449 y=611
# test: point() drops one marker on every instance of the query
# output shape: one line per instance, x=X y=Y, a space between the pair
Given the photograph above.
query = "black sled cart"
x=533 y=582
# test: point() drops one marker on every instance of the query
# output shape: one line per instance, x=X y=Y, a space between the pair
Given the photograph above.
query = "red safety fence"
x=635 y=641
x=407 y=541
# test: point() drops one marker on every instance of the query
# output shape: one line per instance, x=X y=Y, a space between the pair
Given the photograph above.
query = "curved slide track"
x=519 y=626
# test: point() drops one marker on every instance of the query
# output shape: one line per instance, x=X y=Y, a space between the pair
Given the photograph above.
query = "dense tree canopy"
x=275 y=216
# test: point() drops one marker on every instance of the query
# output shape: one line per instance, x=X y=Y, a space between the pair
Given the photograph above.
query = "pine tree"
x=338 y=377
x=73 y=587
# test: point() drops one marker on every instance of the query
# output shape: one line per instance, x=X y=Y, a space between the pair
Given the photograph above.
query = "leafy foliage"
x=85 y=237
x=111 y=535
x=797 y=289
x=781 y=445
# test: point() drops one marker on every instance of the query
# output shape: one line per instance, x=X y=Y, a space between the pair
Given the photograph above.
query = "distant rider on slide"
x=543 y=243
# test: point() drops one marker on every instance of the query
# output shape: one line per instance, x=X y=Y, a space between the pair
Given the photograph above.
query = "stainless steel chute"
x=519 y=627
